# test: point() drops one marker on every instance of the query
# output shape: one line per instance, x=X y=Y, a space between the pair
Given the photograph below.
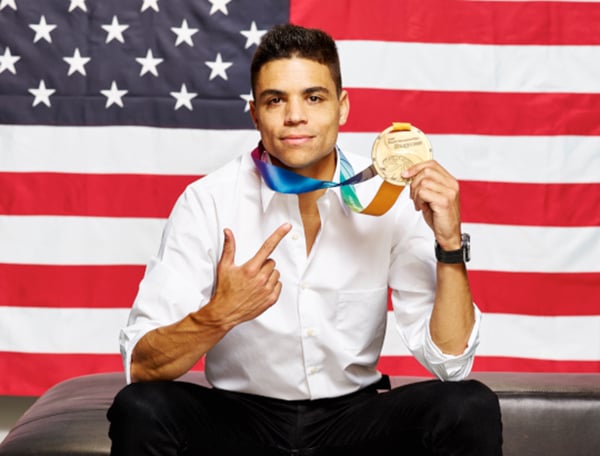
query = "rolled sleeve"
x=452 y=367
x=128 y=338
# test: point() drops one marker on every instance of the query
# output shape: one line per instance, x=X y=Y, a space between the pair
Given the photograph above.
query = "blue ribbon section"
x=284 y=181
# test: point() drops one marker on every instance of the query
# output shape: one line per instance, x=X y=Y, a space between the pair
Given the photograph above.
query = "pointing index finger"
x=271 y=243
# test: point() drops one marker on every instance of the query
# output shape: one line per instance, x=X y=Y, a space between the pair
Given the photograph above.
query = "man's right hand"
x=244 y=292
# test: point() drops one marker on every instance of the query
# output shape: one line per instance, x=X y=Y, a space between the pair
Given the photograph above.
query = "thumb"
x=228 y=255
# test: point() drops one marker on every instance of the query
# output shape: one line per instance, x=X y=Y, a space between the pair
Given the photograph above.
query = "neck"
x=322 y=169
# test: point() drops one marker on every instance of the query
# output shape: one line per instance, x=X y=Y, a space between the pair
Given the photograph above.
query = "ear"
x=253 y=113
x=344 y=107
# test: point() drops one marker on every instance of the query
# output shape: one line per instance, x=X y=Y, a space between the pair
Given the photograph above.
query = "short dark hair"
x=288 y=40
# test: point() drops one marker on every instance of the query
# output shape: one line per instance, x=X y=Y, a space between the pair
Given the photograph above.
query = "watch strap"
x=462 y=255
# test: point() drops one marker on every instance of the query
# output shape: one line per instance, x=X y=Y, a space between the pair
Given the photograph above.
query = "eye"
x=274 y=101
x=314 y=98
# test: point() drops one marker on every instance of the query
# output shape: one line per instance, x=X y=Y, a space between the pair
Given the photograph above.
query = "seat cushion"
x=548 y=414
x=543 y=414
x=69 y=419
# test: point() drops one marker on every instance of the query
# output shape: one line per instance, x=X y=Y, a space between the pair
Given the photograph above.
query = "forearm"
x=170 y=351
x=453 y=315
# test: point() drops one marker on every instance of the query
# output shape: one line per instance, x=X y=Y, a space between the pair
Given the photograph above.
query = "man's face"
x=298 y=114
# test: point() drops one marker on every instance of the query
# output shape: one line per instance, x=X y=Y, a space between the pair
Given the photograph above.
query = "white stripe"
x=522 y=336
x=470 y=67
x=51 y=330
x=119 y=149
x=68 y=330
x=78 y=240
x=103 y=240
x=532 y=159
x=533 y=249
x=133 y=150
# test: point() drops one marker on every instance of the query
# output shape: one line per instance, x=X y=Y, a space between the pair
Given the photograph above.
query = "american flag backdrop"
x=109 y=108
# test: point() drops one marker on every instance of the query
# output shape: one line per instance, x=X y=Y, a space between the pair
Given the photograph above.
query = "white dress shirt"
x=323 y=337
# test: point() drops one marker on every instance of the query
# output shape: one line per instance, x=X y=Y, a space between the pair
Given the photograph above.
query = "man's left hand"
x=435 y=192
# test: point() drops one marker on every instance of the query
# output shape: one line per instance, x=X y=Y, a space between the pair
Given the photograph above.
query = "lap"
x=406 y=416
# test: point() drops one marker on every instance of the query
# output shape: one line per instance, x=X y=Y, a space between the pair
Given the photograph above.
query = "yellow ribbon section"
x=388 y=193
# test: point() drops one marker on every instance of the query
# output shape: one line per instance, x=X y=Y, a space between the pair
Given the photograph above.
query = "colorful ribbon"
x=284 y=181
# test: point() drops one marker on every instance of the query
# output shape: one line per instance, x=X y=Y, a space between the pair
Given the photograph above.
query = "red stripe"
x=31 y=374
x=541 y=294
x=529 y=293
x=451 y=21
x=115 y=286
x=114 y=195
x=153 y=196
x=408 y=365
x=505 y=364
x=112 y=286
x=530 y=204
x=485 y=113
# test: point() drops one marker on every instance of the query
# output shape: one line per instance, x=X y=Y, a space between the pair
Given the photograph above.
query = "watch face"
x=466 y=246
x=394 y=151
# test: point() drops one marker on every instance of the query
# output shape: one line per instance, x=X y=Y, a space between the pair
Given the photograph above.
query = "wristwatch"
x=461 y=255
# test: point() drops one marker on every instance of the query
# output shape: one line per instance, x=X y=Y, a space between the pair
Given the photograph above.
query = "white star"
x=253 y=35
x=218 y=67
x=41 y=94
x=115 y=30
x=247 y=98
x=7 y=61
x=219 y=5
x=76 y=63
x=10 y=3
x=77 y=4
x=184 y=33
x=113 y=96
x=42 y=30
x=150 y=4
x=184 y=98
x=148 y=63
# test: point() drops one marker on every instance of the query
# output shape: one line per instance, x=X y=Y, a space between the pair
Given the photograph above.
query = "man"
x=286 y=296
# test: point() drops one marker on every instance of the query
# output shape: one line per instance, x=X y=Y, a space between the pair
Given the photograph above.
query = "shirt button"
x=295 y=236
x=303 y=286
x=310 y=332
x=313 y=370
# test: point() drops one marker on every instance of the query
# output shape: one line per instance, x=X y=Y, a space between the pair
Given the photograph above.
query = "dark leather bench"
x=543 y=414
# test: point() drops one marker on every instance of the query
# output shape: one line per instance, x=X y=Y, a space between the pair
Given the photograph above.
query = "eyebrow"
x=307 y=91
x=316 y=89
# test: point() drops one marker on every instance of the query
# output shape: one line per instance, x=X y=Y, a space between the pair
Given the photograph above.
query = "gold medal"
x=396 y=149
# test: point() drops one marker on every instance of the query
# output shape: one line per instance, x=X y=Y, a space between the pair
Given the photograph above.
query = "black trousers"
x=425 y=418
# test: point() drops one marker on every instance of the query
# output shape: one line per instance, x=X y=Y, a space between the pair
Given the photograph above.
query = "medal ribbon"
x=284 y=181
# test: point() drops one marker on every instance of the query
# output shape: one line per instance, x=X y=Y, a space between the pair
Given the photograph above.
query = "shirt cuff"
x=127 y=342
x=453 y=367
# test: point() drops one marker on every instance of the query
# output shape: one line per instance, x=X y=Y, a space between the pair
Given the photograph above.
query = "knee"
x=478 y=399
x=473 y=406
x=470 y=420
x=135 y=402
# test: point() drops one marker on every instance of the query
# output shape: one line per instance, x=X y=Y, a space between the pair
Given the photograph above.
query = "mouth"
x=296 y=140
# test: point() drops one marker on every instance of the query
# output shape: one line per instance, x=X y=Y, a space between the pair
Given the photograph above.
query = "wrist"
x=454 y=254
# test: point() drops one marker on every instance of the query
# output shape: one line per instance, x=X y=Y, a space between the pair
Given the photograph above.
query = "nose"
x=295 y=112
